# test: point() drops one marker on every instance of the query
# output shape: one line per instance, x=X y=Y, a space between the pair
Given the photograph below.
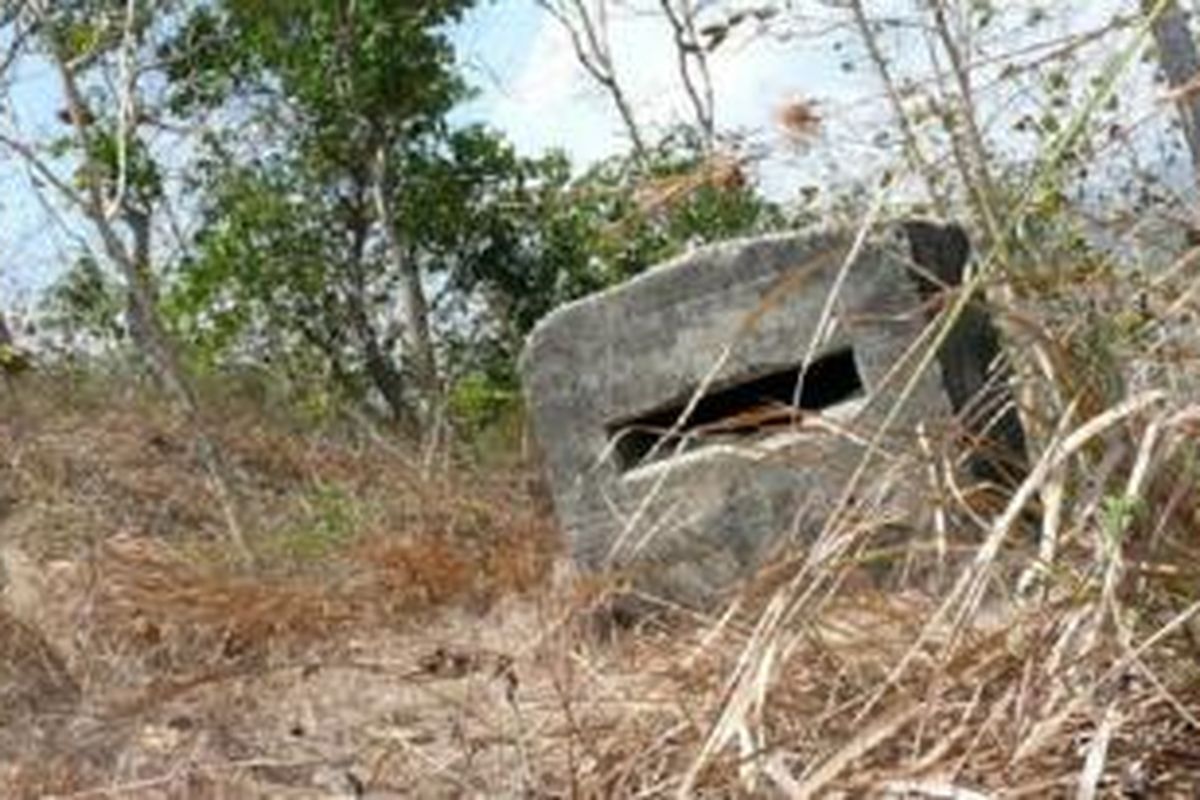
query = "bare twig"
x=912 y=147
x=691 y=55
x=588 y=32
x=1179 y=60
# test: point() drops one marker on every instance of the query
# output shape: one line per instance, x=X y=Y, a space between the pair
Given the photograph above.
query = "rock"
x=712 y=410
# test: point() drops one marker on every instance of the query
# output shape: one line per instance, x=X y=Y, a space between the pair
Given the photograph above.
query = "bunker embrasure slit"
x=743 y=409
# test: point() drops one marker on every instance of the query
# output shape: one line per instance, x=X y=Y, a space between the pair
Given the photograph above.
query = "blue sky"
x=28 y=238
x=532 y=89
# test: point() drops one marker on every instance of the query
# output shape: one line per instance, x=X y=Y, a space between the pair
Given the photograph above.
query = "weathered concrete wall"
x=607 y=377
x=974 y=371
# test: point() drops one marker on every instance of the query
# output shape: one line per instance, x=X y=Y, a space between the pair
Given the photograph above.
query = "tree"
x=347 y=222
x=558 y=237
x=98 y=50
x=338 y=98
x=287 y=271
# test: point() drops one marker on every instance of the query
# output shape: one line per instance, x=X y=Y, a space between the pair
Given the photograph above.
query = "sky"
x=531 y=88
x=29 y=240
x=534 y=89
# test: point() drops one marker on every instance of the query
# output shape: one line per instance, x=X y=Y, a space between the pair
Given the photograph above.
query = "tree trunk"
x=413 y=306
x=1178 y=58
x=381 y=369
x=144 y=323
x=11 y=360
x=154 y=340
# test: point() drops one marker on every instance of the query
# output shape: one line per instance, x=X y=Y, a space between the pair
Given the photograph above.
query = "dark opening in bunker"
x=745 y=408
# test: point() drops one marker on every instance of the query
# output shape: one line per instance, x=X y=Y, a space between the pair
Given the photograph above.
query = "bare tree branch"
x=912 y=147
x=976 y=151
x=42 y=170
x=689 y=53
x=589 y=39
x=127 y=111
x=11 y=16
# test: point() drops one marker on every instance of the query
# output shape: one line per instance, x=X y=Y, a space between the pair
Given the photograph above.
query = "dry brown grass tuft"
x=33 y=676
x=720 y=172
x=129 y=603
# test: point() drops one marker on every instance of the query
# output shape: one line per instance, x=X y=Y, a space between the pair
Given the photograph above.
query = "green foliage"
x=331 y=519
x=320 y=115
x=509 y=238
x=256 y=261
x=561 y=237
x=84 y=30
x=476 y=398
x=292 y=259
x=12 y=360
x=130 y=172
x=487 y=414
x=86 y=304
x=1118 y=513
x=540 y=236
x=343 y=74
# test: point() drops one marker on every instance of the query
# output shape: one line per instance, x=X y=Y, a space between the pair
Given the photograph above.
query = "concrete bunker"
x=739 y=409
x=709 y=411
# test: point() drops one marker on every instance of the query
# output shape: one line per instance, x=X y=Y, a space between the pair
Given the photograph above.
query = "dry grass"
x=661 y=195
x=416 y=635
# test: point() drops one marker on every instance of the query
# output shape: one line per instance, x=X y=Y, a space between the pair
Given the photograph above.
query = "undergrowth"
x=409 y=625
x=406 y=629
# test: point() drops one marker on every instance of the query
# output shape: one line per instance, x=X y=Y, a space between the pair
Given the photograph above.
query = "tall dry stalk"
x=801 y=598
x=974 y=159
x=913 y=151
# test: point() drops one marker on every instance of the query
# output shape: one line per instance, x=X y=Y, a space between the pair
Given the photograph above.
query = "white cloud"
x=548 y=100
x=551 y=101
x=550 y=74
